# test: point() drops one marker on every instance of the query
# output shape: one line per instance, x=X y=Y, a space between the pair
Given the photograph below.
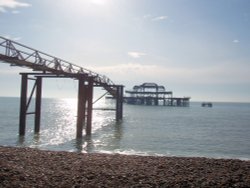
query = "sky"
x=196 y=48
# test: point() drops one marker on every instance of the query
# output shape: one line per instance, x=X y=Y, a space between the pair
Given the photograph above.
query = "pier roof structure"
x=145 y=86
x=148 y=88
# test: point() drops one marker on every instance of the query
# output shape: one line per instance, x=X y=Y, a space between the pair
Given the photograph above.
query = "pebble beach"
x=27 y=167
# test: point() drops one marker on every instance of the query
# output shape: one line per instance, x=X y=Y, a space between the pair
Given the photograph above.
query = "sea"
x=221 y=131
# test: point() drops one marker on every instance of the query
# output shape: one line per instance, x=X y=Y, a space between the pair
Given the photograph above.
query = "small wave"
x=132 y=152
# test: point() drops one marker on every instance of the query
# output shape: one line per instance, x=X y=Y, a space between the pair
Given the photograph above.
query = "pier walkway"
x=44 y=65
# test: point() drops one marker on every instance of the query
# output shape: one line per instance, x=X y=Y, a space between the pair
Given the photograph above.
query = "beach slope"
x=26 y=167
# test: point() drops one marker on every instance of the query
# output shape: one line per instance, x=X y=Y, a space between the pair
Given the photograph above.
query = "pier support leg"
x=171 y=100
x=119 y=103
x=23 y=103
x=90 y=107
x=38 y=104
x=156 y=101
x=81 y=109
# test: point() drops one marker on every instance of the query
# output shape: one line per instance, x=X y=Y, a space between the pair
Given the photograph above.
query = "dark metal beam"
x=23 y=102
x=90 y=106
x=119 y=103
x=81 y=107
x=38 y=104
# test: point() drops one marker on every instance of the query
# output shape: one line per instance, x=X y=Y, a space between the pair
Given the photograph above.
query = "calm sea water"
x=222 y=131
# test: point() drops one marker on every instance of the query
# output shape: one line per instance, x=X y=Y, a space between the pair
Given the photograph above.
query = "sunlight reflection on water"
x=58 y=128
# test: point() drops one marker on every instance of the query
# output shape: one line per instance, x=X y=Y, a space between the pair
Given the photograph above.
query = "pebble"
x=27 y=167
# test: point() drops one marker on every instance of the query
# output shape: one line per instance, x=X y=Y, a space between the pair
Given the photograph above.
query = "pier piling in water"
x=119 y=103
x=47 y=66
x=23 y=104
x=38 y=104
x=90 y=106
x=85 y=107
x=81 y=107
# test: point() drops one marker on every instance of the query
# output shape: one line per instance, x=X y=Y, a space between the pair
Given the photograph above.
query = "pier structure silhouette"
x=43 y=66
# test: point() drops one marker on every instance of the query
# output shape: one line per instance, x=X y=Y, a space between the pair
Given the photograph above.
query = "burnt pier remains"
x=153 y=94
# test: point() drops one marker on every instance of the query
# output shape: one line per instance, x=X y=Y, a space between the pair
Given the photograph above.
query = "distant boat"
x=206 y=104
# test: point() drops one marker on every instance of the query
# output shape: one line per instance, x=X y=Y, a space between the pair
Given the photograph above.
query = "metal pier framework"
x=153 y=94
x=47 y=66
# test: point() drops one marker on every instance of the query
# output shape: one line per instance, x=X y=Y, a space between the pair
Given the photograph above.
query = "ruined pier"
x=49 y=67
x=154 y=94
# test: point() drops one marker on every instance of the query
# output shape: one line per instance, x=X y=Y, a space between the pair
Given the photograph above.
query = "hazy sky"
x=197 y=48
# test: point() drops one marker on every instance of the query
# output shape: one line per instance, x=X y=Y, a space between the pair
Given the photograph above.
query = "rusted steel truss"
x=21 y=55
x=47 y=66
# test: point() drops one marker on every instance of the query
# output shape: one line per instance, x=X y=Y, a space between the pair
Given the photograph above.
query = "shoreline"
x=27 y=167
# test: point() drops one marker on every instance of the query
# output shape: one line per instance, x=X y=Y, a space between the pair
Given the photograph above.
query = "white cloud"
x=159 y=18
x=11 y=4
x=136 y=54
x=236 y=41
x=154 y=18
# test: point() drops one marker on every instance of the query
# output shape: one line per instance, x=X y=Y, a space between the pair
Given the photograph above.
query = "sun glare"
x=99 y=2
x=71 y=103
